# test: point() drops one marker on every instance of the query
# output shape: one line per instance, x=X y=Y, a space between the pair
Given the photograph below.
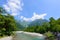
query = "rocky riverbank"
x=7 y=38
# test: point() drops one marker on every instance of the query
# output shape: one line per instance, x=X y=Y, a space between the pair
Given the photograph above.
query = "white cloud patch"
x=34 y=17
x=14 y=6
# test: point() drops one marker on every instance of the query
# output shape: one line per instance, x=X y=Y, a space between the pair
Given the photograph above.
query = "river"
x=22 y=36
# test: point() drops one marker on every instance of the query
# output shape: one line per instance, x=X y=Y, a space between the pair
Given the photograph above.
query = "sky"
x=30 y=10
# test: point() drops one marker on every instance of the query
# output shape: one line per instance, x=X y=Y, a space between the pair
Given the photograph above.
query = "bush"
x=49 y=35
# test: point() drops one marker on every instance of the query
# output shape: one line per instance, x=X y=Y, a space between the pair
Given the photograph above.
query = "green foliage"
x=48 y=28
x=7 y=23
x=49 y=35
x=52 y=26
x=39 y=29
x=19 y=26
x=2 y=10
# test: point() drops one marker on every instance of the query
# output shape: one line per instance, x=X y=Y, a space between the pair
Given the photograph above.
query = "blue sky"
x=32 y=9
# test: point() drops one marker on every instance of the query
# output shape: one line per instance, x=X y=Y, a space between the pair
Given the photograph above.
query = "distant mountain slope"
x=19 y=26
x=37 y=22
x=22 y=24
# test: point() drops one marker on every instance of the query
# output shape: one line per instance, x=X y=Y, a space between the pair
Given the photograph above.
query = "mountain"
x=37 y=22
x=23 y=24
x=19 y=26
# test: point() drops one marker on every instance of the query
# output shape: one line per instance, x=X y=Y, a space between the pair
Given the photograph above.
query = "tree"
x=2 y=10
x=46 y=25
x=52 y=24
x=7 y=23
x=58 y=21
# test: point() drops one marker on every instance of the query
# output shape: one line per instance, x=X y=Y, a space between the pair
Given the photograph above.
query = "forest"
x=52 y=25
x=7 y=23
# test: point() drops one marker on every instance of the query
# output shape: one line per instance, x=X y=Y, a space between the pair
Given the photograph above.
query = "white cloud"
x=34 y=17
x=21 y=17
x=14 y=6
x=14 y=14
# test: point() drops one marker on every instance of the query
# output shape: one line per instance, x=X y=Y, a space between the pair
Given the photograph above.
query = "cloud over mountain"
x=34 y=17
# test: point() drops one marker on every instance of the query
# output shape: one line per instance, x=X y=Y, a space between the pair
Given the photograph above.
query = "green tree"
x=52 y=24
x=2 y=10
x=7 y=23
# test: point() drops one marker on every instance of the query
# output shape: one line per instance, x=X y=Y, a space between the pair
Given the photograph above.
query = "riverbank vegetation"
x=50 y=28
x=7 y=23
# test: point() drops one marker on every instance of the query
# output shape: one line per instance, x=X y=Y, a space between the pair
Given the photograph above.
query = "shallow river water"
x=22 y=36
